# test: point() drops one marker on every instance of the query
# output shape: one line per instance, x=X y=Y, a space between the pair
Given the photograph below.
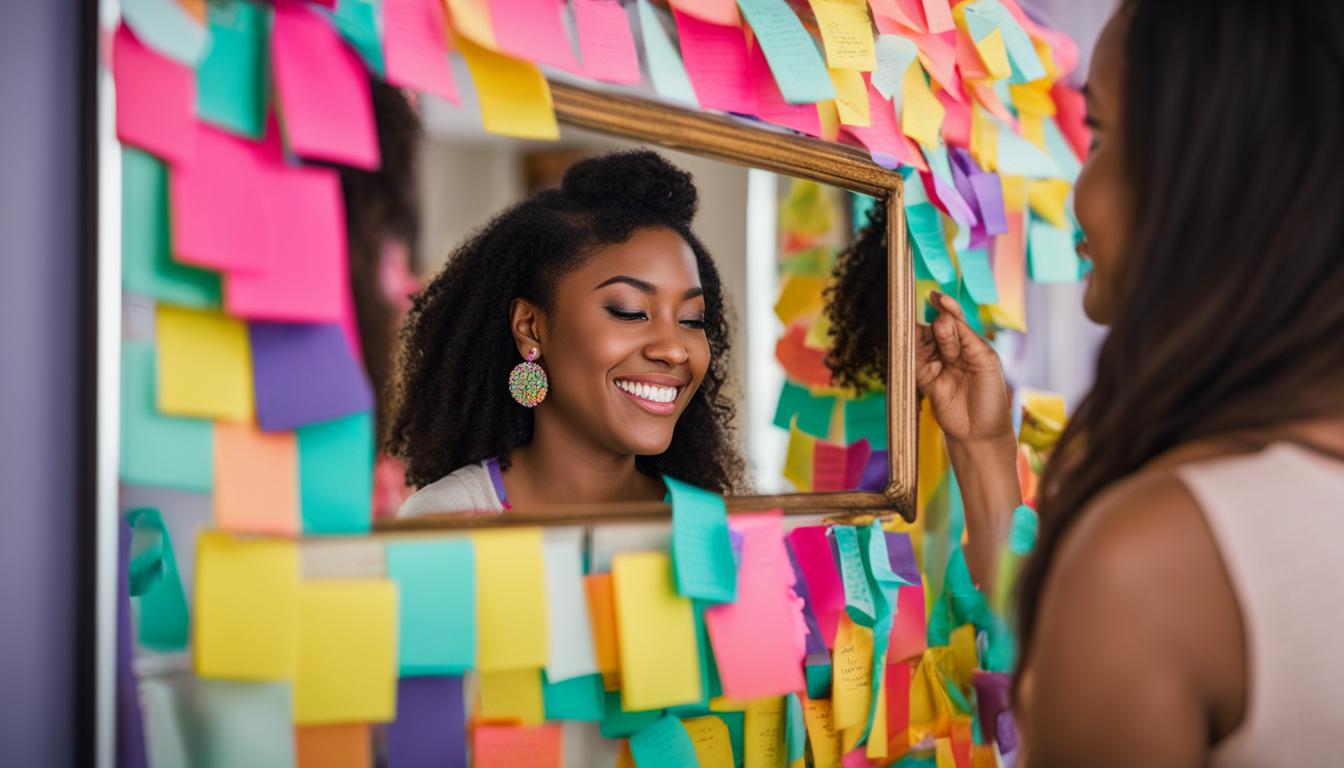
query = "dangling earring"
x=527 y=381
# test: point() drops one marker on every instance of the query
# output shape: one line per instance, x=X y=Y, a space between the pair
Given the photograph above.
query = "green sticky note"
x=813 y=262
x=799 y=70
x=147 y=266
x=978 y=275
x=1051 y=253
x=436 y=626
x=866 y=419
x=357 y=21
x=336 y=474
x=665 y=744
x=580 y=698
x=818 y=680
x=233 y=81
x=158 y=450
x=702 y=552
x=160 y=602
x=618 y=723
x=926 y=235
x=795 y=730
x=853 y=575
x=813 y=412
x=737 y=726
x=666 y=69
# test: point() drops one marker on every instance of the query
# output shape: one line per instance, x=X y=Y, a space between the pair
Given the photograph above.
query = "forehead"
x=658 y=256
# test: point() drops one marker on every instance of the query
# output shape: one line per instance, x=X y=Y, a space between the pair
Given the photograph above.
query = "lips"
x=657 y=395
x=652 y=392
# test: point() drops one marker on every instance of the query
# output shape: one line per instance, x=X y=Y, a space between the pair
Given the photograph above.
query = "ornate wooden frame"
x=754 y=146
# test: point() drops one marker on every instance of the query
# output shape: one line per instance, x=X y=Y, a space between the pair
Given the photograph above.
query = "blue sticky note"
x=580 y=698
x=336 y=474
x=357 y=21
x=167 y=28
x=702 y=552
x=1019 y=157
x=926 y=234
x=436 y=628
x=233 y=82
x=853 y=575
x=666 y=69
x=799 y=70
x=1051 y=253
x=665 y=744
x=618 y=724
x=813 y=412
x=866 y=419
x=147 y=265
x=978 y=276
x=158 y=450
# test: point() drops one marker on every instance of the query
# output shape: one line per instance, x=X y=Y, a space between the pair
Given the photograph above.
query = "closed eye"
x=627 y=314
x=698 y=323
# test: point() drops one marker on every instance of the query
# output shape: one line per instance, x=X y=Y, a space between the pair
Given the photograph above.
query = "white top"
x=469 y=489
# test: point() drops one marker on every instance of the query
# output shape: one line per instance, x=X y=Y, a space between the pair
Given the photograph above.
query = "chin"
x=1095 y=304
x=647 y=445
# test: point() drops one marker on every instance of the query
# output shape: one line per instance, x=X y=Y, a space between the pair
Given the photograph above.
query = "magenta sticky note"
x=415 y=47
x=533 y=30
x=769 y=102
x=606 y=43
x=759 y=641
x=305 y=276
x=826 y=591
x=322 y=89
x=304 y=373
x=156 y=99
x=716 y=62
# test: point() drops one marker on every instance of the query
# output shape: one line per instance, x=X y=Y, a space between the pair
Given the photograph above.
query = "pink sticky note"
x=956 y=121
x=883 y=138
x=322 y=89
x=722 y=12
x=156 y=99
x=938 y=15
x=305 y=277
x=218 y=203
x=415 y=47
x=759 y=640
x=856 y=460
x=857 y=758
x=909 y=631
x=968 y=59
x=812 y=549
x=533 y=30
x=909 y=14
x=770 y=104
x=513 y=746
x=838 y=467
x=605 y=41
x=716 y=62
x=938 y=54
x=1071 y=117
x=1010 y=269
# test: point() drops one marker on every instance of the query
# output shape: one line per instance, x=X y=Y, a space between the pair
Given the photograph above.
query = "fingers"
x=969 y=345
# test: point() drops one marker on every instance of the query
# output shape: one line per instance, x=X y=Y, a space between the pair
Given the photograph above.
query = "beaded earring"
x=527 y=381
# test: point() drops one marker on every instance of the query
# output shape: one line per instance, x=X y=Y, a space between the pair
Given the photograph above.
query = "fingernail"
x=935 y=297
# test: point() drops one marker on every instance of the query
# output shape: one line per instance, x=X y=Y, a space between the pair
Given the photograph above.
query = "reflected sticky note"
x=571 y=652
x=288 y=357
x=436 y=631
x=800 y=294
x=605 y=41
x=347 y=652
x=853 y=674
x=602 y=616
x=415 y=47
x=846 y=34
x=495 y=746
x=336 y=474
x=256 y=480
x=347 y=745
x=511 y=695
x=233 y=81
x=711 y=740
x=515 y=98
x=159 y=450
x=702 y=553
x=205 y=364
x=147 y=266
x=666 y=69
x=866 y=419
x=430 y=728
x=245 y=608
x=655 y=628
x=798 y=459
x=716 y=62
x=813 y=412
x=510 y=600
x=794 y=61
x=665 y=744
x=154 y=99
x=763 y=737
x=825 y=740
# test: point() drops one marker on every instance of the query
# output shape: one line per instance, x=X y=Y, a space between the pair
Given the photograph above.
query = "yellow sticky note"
x=921 y=112
x=1032 y=128
x=347 y=662
x=512 y=695
x=929 y=705
x=763 y=734
x=1014 y=192
x=963 y=654
x=655 y=630
x=852 y=671
x=799 y=295
x=1033 y=98
x=821 y=733
x=984 y=138
x=798 y=459
x=709 y=736
x=471 y=18
x=245 y=611
x=510 y=600
x=515 y=98
x=829 y=117
x=205 y=364
x=819 y=337
x=725 y=704
x=1049 y=199
x=846 y=34
x=851 y=97
x=994 y=54
x=943 y=747
x=256 y=480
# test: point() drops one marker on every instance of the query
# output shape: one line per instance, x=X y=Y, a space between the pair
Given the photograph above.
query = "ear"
x=526 y=323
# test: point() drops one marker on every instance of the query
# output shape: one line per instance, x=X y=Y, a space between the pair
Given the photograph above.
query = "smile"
x=655 y=398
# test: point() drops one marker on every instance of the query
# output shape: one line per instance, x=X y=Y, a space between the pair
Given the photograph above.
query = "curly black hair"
x=856 y=306
x=452 y=406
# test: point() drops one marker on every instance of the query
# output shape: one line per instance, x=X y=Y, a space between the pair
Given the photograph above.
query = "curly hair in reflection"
x=856 y=306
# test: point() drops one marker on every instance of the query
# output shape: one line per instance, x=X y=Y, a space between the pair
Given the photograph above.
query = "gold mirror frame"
x=740 y=143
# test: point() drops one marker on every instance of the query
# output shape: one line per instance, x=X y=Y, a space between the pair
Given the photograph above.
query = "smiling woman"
x=602 y=285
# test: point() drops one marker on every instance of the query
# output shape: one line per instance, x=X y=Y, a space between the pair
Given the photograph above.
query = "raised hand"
x=962 y=378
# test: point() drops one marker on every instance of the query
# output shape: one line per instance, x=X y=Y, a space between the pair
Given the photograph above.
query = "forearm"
x=987 y=475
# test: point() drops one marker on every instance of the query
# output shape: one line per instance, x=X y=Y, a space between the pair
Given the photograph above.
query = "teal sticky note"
x=436 y=625
x=619 y=724
x=813 y=412
x=666 y=69
x=978 y=276
x=795 y=730
x=926 y=235
x=580 y=698
x=167 y=28
x=1022 y=538
x=970 y=309
x=158 y=450
x=357 y=21
x=853 y=575
x=799 y=70
x=147 y=266
x=702 y=552
x=737 y=726
x=229 y=723
x=1051 y=255
x=336 y=474
x=818 y=678
x=160 y=602
x=985 y=16
x=1019 y=157
x=233 y=81
x=866 y=419
x=665 y=744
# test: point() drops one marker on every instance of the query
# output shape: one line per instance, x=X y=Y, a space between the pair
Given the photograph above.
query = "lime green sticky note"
x=357 y=21
x=158 y=450
x=336 y=474
x=702 y=552
x=436 y=626
x=813 y=413
x=580 y=698
x=160 y=602
x=233 y=81
x=866 y=418
x=147 y=266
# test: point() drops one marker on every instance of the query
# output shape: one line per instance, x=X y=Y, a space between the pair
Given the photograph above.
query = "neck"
x=560 y=465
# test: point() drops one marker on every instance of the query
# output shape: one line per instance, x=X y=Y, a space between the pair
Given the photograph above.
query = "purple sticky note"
x=875 y=473
x=901 y=555
x=305 y=373
x=992 y=694
x=430 y=729
x=989 y=195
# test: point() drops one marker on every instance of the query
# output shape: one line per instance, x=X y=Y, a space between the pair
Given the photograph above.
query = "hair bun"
x=633 y=179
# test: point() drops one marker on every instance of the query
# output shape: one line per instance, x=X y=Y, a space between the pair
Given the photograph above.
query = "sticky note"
x=758 y=640
x=797 y=66
x=347 y=652
x=245 y=608
x=989 y=195
x=865 y=418
x=347 y=745
x=606 y=44
x=1010 y=276
x=167 y=28
x=859 y=602
x=571 y=653
x=225 y=722
x=602 y=616
x=798 y=459
x=288 y=357
x=471 y=19
x=1020 y=157
x=1049 y=199
x=510 y=600
x=722 y=12
x=851 y=99
x=542 y=39
x=978 y=275
x=322 y=90
x=147 y=266
x=415 y=47
x=154 y=99
x=511 y=695
x=926 y=235
x=894 y=54
x=514 y=96
x=655 y=629
x=155 y=449
x=665 y=744
x=839 y=468
x=711 y=740
x=205 y=364
x=846 y=34
x=853 y=673
x=764 y=734
x=219 y=217
x=619 y=723
x=336 y=474
x=886 y=144
x=155 y=584
x=430 y=727
x=233 y=81
x=921 y=112
x=800 y=294
x=357 y=22
x=580 y=699
x=1051 y=253
x=256 y=483
x=812 y=550
x=436 y=631
x=908 y=632
x=716 y=63
x=666 y=69
x=986 y=19
x=821 y=733
x=496 y=746
x=702 y=555
x=896 y=692
x=938 y=15
x=811 y=412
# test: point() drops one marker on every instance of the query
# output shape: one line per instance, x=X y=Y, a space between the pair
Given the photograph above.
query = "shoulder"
x=467 y=489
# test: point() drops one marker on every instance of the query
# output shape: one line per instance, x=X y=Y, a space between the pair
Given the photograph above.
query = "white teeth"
x=650 y=392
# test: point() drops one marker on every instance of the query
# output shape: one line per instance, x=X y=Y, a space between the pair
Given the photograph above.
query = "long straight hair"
x=1231 y=299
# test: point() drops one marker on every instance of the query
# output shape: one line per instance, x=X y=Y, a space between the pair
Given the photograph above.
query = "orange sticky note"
x=602 y=614
x=333 y=746
x=1010 y=275
x=495 y=746
x=514 y=96
x=256 y=480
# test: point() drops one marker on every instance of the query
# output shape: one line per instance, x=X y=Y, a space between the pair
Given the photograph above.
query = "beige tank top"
x=1278 y=519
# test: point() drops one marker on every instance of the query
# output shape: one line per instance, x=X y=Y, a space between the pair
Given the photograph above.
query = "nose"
x=666 y=345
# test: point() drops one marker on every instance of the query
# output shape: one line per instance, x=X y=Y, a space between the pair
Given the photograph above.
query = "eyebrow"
x=645 y=287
